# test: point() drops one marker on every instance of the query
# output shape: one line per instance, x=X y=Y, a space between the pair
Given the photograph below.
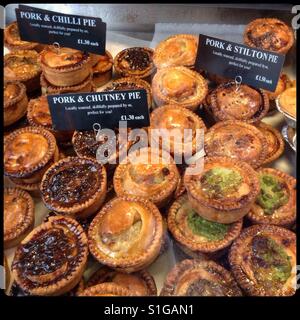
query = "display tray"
x=172 y=254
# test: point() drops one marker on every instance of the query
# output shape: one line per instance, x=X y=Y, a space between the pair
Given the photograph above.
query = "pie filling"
x=74 y=184
x=269 y=36
x=273 y=194
x=11 y=91
x=206 y=288
x=135 y=59
x=271 y=264
x=49 y=256
x=15 y=207
x=122 y=231
x=20 y=65
x=63 y=57
x=115 y=86
x=25 y=151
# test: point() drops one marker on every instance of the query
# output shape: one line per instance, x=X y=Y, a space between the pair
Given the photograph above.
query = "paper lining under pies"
x=179 y=85
x=243 y=103
x=18 y=216
x=263 y=261
x=276 y=203
x=134 y=62
x=176 y=50
x=126 y=234
x=52 y=258
x=48 y=88
x=13 y=42
x=269 y=34
x=155 y=181
x=15 y=102
x=224 y=191
x=237 y=140
x=74 y=186
x=28 y=153
x=65 y=67
x=23 y=66
x=199 y=278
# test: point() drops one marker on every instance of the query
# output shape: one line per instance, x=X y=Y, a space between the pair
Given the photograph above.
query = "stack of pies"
x=102 y=68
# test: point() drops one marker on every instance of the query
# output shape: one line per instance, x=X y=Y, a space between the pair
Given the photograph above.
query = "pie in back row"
x=232 y=220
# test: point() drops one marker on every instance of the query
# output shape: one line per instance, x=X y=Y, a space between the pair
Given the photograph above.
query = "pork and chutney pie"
x=15 y=102
x=52 y=258
x=64 y=67
x=176 y=50
x=237 y=140
x=224 y=191
x=269 y=34
x=263 y=261
x=126 y=234
x=177 y=121
x=13 y=42
x=150 y=175
x=179 y=85
x=102 y=70
x=134 y=62
x=18 y=216
x=200 y=278
x=74 y=186
x=196 y=233
x=28 y=153
x=23 y=66
x=244 y=103
x=276 y=202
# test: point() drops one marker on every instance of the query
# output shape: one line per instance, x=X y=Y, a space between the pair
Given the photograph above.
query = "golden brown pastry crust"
x=285 y=215
x=15 y=102
x=52 y=276
x=102 y=69
x=74 y=186
x=240 y=259
x=224 y=209
x=199 y=278
x=18 y=216
x=105 y=289
x=179 y=85
x=65 y=67
x=269 y=34
x=287 y=102
x=126 y=234
x=176 y=50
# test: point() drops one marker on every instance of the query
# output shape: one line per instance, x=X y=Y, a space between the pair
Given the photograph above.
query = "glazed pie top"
x=126 y=233
x=287 y=101
x=176 y=119
x=177 y=50
x=39 y=113
x=136 y=62
x=143 y=177
x=27 y=150
x=51 y=256
x=262 y=260
x=237 y=139
x=224 y=182
x=13 y=93
x=197 y=233
x=179 y=85
x=199 y=278
x=72 y=183
x=18 y=213
x=12 y=38
x=104 y=63
x=63 y=58
x=274 y=140
x=21 y=65
x=244 y=103
x=276 y=203
x=269 y=34
x=140 y=283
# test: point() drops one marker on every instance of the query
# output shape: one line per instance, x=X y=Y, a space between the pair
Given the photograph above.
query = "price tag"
x=258 y=68
x=73 y=31
x=82 y=111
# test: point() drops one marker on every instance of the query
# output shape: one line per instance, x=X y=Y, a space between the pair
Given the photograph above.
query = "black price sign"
x=72 y=31
x=256 y=67
x=82 y=111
